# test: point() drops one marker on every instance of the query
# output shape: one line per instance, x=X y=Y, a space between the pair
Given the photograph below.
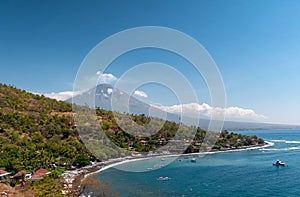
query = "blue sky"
x=256 y=45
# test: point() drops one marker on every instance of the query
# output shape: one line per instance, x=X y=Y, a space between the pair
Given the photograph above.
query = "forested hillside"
x=35 y=131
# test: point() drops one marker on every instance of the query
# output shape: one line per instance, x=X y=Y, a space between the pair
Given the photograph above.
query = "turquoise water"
x=243 y=173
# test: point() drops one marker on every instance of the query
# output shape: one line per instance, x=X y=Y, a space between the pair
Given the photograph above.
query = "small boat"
x=278 y=163
x=163 y=178
x=193 y=160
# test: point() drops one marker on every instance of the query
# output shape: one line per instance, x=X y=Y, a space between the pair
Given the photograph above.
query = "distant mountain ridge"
x=103 y=99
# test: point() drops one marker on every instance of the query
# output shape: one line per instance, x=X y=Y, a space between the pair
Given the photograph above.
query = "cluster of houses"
x=37 y=175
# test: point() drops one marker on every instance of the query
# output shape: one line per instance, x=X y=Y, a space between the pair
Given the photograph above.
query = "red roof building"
x=24 y=173
x=4 y=174
x=144 y=142
x=40 y=173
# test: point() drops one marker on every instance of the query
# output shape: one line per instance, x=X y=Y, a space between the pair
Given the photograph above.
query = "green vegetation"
x=172 y=134
x=38 y=132
x=35 y=131
x=82 y=160
x=49 y=186
x=233 y=140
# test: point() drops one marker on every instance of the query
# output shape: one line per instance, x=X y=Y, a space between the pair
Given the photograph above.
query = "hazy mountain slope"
x=103 y=100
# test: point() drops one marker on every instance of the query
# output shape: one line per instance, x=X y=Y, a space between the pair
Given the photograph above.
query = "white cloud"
x=102 y=78
x=236 y=113
x=140 y=93
x=231 y=113
x=62 y=96
x=106 y=77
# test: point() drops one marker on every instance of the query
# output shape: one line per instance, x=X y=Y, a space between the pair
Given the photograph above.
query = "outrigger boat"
x=278 y=163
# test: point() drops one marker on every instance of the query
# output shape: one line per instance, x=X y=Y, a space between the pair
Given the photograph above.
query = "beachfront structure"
x=144 y=142
x=4 y=175
x=20 y=174
x=40 y=173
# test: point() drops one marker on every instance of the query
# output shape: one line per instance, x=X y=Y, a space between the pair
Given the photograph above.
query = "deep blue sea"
x=243 y=173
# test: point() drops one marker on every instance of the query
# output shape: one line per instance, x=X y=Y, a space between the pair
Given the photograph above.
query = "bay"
x=239 y=173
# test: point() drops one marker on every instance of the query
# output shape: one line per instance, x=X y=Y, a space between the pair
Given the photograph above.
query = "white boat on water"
x=278 y=163
x=163 y=178
x=193 y=160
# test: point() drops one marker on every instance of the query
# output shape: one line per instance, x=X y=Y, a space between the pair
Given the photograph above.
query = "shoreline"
x=102 y=166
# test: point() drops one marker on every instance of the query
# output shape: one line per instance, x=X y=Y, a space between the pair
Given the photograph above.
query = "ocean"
x=239 y=173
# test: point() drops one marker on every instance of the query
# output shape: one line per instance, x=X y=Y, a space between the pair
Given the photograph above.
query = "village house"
x=144 y=142
x=4 y=175
x=39 y=174
x=22 y=173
